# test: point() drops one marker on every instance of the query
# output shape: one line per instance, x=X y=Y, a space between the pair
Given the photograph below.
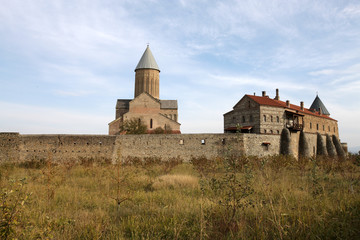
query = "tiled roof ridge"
x=278 y=103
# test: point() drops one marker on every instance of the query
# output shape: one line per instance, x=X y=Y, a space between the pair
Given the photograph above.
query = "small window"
x=181 y=141
x=264 y=118
x=278 y=132
x=310 y=125
x=277 y=119
x=175 y=117
x=323 y=127
x=251 y=118
x=243 y=119
x=223 y=141
x=264 y=130
x=151 y=123
x=317 y=126
x=271 y=118
x=203 y=142
x=271 y=131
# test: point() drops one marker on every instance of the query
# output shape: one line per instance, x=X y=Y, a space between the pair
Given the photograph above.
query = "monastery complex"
x=255 y=126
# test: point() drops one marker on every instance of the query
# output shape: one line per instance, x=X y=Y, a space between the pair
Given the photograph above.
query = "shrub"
x=133 y=126
x=285 y=141
x=330 y=146
x=320 y=146
x=304 y=151
x=340 y=151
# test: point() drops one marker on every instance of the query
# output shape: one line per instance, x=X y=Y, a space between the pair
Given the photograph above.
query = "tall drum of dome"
x=147 y=75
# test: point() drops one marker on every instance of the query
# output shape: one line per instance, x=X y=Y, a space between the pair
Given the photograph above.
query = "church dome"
x=147 y=61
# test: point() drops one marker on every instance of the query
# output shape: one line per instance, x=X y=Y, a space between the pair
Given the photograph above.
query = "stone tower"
x=147 y=75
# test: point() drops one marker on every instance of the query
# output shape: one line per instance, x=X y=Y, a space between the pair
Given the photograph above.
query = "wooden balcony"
x=294 y=126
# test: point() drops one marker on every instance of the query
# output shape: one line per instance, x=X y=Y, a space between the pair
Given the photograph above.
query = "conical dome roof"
x=147 y=61
x=318 y=104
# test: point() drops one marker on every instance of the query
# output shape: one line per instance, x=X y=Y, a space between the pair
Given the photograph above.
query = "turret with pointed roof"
x=147 y=75
x=318 y=106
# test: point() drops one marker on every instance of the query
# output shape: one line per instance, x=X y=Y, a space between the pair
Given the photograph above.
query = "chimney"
x=277 y=97
x=302 y=105
x=287 y=103
x=264 y=93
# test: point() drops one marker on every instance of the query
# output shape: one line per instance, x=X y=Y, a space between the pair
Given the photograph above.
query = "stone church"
x=146 y=106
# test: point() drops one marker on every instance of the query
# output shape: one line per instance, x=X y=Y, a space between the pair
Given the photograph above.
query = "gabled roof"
x=147 y=61
x=168 y=104
x=123 y=103
x=318 y=104
x=277 y=103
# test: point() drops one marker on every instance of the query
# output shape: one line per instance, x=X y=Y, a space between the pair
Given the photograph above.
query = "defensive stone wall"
x=9 y=147
x=177 y=145
x=59 y=148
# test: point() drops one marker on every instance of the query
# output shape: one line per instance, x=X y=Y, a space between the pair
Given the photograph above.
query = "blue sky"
x=64 y=63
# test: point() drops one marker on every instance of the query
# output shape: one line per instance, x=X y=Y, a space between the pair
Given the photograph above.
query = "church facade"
x=146 y=106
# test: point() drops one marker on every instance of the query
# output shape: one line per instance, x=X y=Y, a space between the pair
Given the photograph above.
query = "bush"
x=285 y=141
x=133 y=126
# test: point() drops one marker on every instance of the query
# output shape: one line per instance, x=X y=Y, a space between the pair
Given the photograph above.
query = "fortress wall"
x=9 y=147
x=261 y=144
x=66 y=147
x=16 y=147
x=174 y=145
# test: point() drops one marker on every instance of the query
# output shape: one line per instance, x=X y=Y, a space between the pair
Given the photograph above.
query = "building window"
x=323 y=127
x=271 y=131
x=175 y=117
x=151 y=123
x=264 y=130
x=271 y=118
x=264 y=118
x=203 y=142
x=310 y=125
x=278 y=132
x=277 y=119
x=251 y=118
x=317 y=126
x=243 y=119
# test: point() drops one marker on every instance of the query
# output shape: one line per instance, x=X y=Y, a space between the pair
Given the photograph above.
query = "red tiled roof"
x=277 y=103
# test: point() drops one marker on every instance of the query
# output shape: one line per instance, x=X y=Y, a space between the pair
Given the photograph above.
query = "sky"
x=64 y=63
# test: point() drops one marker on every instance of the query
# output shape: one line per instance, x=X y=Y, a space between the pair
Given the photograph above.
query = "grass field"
x=233 y=197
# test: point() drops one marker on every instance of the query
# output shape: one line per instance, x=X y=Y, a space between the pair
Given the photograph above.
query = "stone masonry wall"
x=16 y=147
x=176 y=145
x=65 y=147
x=9 y=147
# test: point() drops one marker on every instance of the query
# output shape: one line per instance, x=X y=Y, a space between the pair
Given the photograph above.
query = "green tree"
x=133 y=126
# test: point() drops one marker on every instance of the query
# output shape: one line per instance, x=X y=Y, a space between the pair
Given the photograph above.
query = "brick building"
x=146 y=105
x=264 y=115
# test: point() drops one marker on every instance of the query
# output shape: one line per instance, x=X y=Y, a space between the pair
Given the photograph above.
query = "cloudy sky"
x=63 y=63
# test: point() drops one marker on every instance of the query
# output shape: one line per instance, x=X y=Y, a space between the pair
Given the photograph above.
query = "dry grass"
x=290 y=200
x=176 y=181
